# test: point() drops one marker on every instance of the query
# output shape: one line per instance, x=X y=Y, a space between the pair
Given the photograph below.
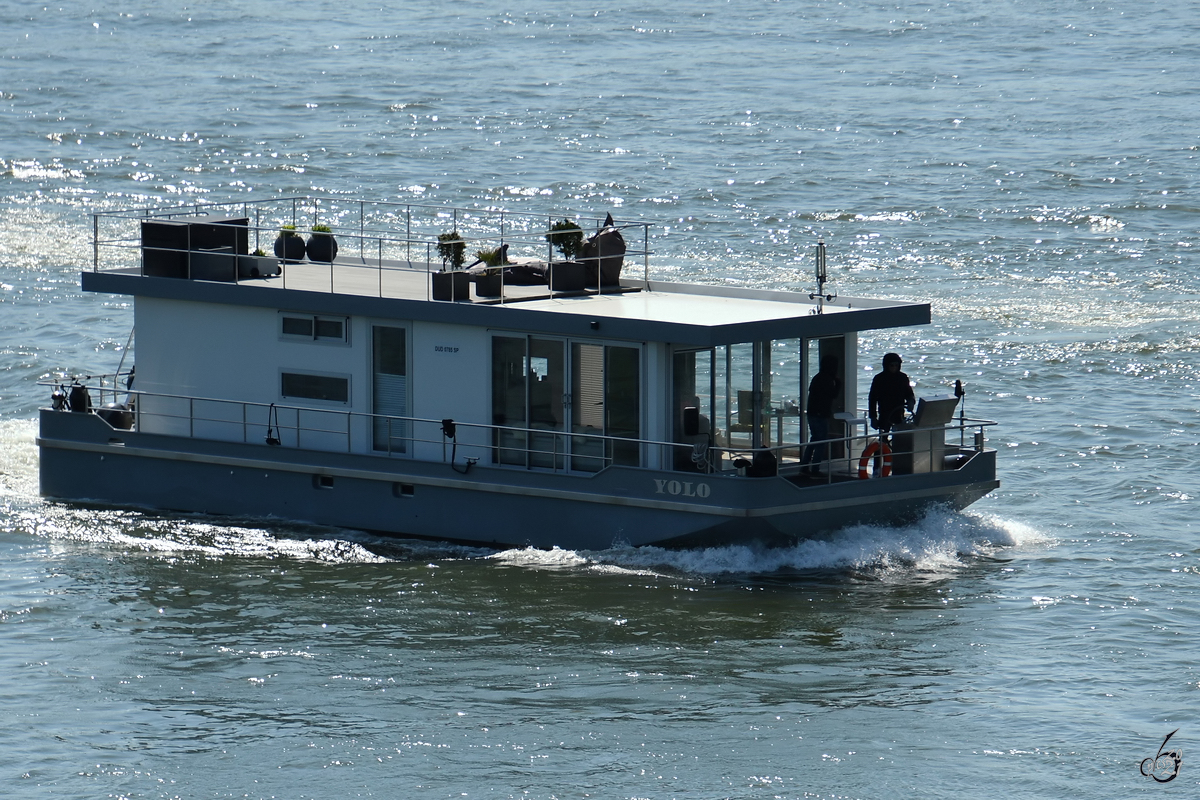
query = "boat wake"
x=941 y=543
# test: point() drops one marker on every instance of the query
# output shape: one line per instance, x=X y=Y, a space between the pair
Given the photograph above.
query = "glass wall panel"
x=623 y=403
x=544 y=375
x=786 y=390
x=693 y=386
x=739 y=365
x=587 y=406
x=509 y=399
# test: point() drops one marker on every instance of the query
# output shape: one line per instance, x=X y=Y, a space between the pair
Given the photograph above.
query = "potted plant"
x=257 y=265
x=490 y=283
x=321 y=245
x=452 y=283
x=288 y=245
x=566 y=275
x=567 y=237
x=452 y=250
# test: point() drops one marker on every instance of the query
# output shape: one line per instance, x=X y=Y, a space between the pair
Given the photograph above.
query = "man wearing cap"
x=891 y=393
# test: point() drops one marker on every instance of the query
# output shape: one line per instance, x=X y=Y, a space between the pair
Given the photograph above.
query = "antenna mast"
x=822 y=277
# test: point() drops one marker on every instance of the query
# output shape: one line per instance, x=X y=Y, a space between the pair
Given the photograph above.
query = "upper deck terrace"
x=388 y=264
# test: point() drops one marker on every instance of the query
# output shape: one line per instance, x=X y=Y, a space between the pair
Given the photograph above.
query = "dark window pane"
x=390 y=351
x=622 y=393
x=298 y=326
x=316 y=387
x=329 y=329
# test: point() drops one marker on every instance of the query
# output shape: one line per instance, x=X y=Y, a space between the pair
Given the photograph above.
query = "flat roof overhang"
x=693 y=315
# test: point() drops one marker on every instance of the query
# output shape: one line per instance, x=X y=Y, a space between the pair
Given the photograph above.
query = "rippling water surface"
x=1030 y=170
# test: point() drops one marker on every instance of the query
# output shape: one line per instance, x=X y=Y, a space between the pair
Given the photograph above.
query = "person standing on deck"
x=891 y=394
x=823 y=392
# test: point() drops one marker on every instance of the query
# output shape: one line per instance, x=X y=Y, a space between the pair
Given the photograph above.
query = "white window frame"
x=314 y=319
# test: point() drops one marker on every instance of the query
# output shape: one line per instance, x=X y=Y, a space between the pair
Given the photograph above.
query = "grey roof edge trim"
x=775 y=295
x=860 y=315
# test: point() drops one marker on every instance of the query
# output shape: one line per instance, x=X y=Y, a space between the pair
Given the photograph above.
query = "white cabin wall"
x=235 y=353
x=204 y=350
x=189 y=348
x=450 y=374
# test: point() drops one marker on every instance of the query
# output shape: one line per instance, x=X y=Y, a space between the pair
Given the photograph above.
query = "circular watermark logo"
x=1163 y=767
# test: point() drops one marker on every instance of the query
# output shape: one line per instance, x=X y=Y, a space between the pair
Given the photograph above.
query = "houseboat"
x=338 y=362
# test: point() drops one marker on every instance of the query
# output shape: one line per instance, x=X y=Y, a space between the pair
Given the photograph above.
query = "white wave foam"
x=940 y=543
x=558 y=559
x=554 y=558
x=18 y=458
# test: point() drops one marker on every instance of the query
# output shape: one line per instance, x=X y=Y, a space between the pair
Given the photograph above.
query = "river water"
x=1030 y=170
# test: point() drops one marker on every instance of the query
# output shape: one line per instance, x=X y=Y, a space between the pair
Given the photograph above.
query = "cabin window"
x=314 y=328
x=307 y=386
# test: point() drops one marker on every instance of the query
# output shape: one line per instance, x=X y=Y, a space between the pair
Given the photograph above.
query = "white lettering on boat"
x=681 y=488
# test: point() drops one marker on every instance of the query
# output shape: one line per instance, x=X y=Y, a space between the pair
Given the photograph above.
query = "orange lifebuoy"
x=877 y=448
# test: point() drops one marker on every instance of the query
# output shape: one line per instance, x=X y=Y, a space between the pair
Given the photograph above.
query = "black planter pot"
x=488 y=285
x=322 y=247
x=290 y=248
x=451 y=285
x=567 y=276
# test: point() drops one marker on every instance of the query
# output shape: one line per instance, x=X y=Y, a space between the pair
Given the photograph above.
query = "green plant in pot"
x=566 y=237
x=493 y=257
x=257 y=265
x=288 y=245
x=451 y=249
x=452 y=283
x=491 y=283
x=321 y=245
x=567 y=275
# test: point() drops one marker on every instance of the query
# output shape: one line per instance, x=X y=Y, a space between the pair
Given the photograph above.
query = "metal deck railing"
x=336 y=430
x=382 y=236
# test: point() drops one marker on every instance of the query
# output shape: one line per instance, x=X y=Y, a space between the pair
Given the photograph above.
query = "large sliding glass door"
x=528 y=394
x=606 y=399
x=559 y=399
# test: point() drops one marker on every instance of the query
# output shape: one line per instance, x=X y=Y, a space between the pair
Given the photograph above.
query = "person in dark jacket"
x=891 y=394
x=823 y=392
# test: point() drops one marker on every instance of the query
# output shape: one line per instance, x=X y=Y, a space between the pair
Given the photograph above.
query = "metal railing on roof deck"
x=378 y=234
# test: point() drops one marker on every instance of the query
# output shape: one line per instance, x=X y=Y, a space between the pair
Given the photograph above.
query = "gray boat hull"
x=83 y=458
